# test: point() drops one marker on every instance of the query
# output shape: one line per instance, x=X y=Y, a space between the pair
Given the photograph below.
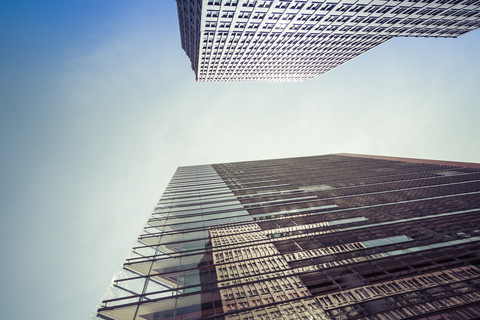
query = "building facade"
x=327 y=237
x=295 y=40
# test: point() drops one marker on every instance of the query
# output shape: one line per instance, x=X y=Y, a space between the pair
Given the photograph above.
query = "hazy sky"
x=98 y=106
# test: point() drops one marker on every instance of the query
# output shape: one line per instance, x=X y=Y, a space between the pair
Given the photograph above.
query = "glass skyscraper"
x=324 y=237
x=295 y=40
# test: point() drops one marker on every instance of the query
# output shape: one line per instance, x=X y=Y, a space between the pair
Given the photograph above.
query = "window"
x=314 y=6
x=249 y=3
x=244 y=15
x=265 y=3
x=282 y=5
x=210 y=24
x=297 y=5
x=212 y=13
x=228 y=14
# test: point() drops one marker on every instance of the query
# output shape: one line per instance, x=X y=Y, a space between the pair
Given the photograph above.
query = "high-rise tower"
x=295 y=40
x=326 y=237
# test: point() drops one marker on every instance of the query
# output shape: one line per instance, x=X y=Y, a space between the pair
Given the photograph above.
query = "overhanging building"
x=295 y=40
x=326 y=237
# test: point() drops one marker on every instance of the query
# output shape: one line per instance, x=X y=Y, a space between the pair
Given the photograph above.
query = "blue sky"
x=98 y=106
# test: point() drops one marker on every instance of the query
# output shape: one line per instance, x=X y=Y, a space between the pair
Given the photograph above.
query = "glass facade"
x=325 y=237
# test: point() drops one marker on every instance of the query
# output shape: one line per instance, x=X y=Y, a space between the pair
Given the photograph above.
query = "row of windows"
x=449 y=305
x=284 y=53
x=262 y=36
x=363 y=20
x=394 y=287
x=284 y=59
x=288 y=40
x=266 y=70
x=258 y=3
x=355 y=8
x=274 y=68
x=331 y=18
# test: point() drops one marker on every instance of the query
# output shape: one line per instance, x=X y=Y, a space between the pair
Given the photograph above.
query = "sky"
x=99 y=106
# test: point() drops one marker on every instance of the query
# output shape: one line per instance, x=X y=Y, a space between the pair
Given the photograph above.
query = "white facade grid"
x=296 y=40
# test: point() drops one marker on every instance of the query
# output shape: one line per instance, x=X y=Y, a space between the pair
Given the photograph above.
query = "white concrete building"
x=295 y=40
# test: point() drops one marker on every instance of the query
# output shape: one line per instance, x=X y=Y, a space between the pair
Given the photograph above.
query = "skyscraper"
x=326 y=237
x=295 y=40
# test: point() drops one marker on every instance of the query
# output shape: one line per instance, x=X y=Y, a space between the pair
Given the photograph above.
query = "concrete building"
x=326 y=237
x=295 y=40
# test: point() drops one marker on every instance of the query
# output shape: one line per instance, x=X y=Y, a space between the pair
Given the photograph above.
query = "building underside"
x=296 y=40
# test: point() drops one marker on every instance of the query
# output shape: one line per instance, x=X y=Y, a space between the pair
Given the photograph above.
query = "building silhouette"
x=338 y=236
x=295 y=40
